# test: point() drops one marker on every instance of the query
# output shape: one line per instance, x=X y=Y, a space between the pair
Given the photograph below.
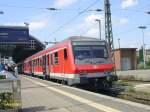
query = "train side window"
x=65 y=54
x=56 y=58
x=51 y=59
x=37 y=61
x=48 y=59
x=34 y=62
x=40 y=61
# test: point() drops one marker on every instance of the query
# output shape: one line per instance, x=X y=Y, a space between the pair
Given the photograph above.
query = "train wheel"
x=105 y=84
x=63 y=82
x=46 y=77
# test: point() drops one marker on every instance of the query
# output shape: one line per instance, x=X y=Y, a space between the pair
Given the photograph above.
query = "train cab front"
x=92 y=64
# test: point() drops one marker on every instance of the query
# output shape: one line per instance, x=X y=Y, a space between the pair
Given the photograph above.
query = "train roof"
x=82 y=38
x=72 y=39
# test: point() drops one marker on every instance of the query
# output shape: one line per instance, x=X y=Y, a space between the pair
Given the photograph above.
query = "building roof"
x=14 y=27
x=125 y=49
x=17 y=38
x=82 y=38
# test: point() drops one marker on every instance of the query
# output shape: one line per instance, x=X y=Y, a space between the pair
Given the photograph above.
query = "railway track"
x=124 y=91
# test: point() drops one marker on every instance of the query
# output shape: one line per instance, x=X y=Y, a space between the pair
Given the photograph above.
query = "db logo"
x=95 y=66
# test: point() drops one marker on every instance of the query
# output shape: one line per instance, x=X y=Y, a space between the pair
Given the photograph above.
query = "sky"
x=72 y=19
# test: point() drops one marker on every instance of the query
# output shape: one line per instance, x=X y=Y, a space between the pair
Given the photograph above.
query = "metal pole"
x=99 y=22
x=142 y=28
x=100 y=29
x=119 y=43
x=143 y=49
x=1 y=12
x=26 y=24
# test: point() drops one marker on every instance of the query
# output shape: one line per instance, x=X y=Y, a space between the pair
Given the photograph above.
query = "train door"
x=63 y=64
x=46 y=65
x=32 y=67
x=31 y=63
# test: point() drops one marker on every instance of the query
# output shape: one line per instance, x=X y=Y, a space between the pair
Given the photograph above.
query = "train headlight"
x=108 y=72
x=83 y=73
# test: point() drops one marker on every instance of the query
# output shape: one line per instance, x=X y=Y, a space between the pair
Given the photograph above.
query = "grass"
x=131 y=89
x=123 y=83
x=5 y=99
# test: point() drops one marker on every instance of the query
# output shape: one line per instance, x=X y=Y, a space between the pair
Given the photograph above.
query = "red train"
x=77 y=60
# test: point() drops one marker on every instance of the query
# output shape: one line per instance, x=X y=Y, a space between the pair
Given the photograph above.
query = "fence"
x=139 y=75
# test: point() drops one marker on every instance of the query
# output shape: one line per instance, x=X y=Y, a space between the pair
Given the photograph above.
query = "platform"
x=44 y=96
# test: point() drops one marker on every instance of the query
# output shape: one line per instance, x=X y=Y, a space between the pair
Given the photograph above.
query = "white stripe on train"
x=72 y=76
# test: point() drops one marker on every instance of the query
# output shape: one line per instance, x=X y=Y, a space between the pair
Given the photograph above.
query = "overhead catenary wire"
x=80 y=12
x=130 y=30
x=73 y=18
x=56 y=9
x=47 y=8
x=133 y=10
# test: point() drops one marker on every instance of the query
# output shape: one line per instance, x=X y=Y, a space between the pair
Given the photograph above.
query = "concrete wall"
x=138 y=75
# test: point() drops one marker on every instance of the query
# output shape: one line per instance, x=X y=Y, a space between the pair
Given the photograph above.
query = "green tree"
x=148 y=62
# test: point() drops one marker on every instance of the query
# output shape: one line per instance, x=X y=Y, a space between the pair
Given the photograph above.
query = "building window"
x=56 y=58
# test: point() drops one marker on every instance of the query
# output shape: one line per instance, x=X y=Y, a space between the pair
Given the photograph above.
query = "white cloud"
x=124 y=21
x=38 y=25
x=93 y=32
x=90 y=27
x=128 y=3
x=14 y=24
x=148 y=34
x=64 y=3
x=119 y=21
x=34 y=25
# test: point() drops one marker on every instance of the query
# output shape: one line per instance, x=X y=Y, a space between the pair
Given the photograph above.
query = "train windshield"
x=92 y=54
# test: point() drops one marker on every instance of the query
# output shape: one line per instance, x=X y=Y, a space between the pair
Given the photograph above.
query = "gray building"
x=147 y=55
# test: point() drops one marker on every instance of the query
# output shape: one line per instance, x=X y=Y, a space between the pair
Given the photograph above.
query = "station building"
x=125 y=59
x=16 y=42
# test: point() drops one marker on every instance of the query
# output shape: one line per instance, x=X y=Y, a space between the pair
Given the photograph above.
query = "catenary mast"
x=108 y=27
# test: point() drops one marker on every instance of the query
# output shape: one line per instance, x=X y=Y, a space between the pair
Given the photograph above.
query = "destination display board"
x=14 y=34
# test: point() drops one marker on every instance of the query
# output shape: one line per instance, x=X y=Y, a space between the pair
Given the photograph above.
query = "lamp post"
x=26 y=24
x=99 y=21
x=1 y=12
x=142 y=28
x=119 y=43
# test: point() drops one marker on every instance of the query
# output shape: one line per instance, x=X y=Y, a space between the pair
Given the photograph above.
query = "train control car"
x=77 y=60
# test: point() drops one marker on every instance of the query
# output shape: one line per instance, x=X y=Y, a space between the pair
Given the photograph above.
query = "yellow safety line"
x=77 y=98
